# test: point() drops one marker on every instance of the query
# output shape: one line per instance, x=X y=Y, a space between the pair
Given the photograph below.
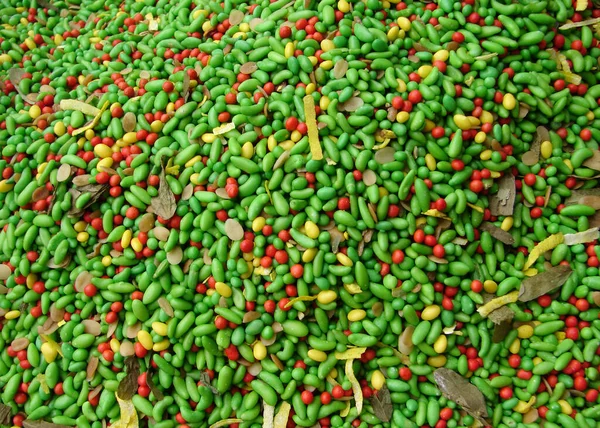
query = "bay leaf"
x=382 y=404
x=458 y=389
x=543 y=283
x=164 y=203
x=157 y=392
x=205 y=379
x=41 y=424
x=501 y=331
x=503 y=202
x=128 y=385
x=593 y=162
x=498 y=233
x=95 y=190
x=578 y=195
x=5 y=414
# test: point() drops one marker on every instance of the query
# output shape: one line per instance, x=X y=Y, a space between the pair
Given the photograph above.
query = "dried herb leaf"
x=543 y=283
x=40 y=424
x=205 y=379
x=5 y=413
x=164 y=203
x=498 y=233
x=382 y=404
x=584 y=196
x=458 y=389
x=533 y=155
x=503 y=202
x=128 y=386
x=593 y=162
x=95 y=190
x=501 y=331
x=157 y=392
x=15 y=75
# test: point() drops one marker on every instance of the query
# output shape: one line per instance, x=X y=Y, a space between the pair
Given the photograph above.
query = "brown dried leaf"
x=5 y=414
x=530 y=158
x=128 y=385
x=593 y=162
x=584 y=196
x=458 y=389
x=41 y=424
x=501 y=330
x=382 y=404
x=205 y=379
x=95 y=190
x=164 y=204
x=503 y=202
x=543 y=283
x=498 y=233
x=157 y=393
